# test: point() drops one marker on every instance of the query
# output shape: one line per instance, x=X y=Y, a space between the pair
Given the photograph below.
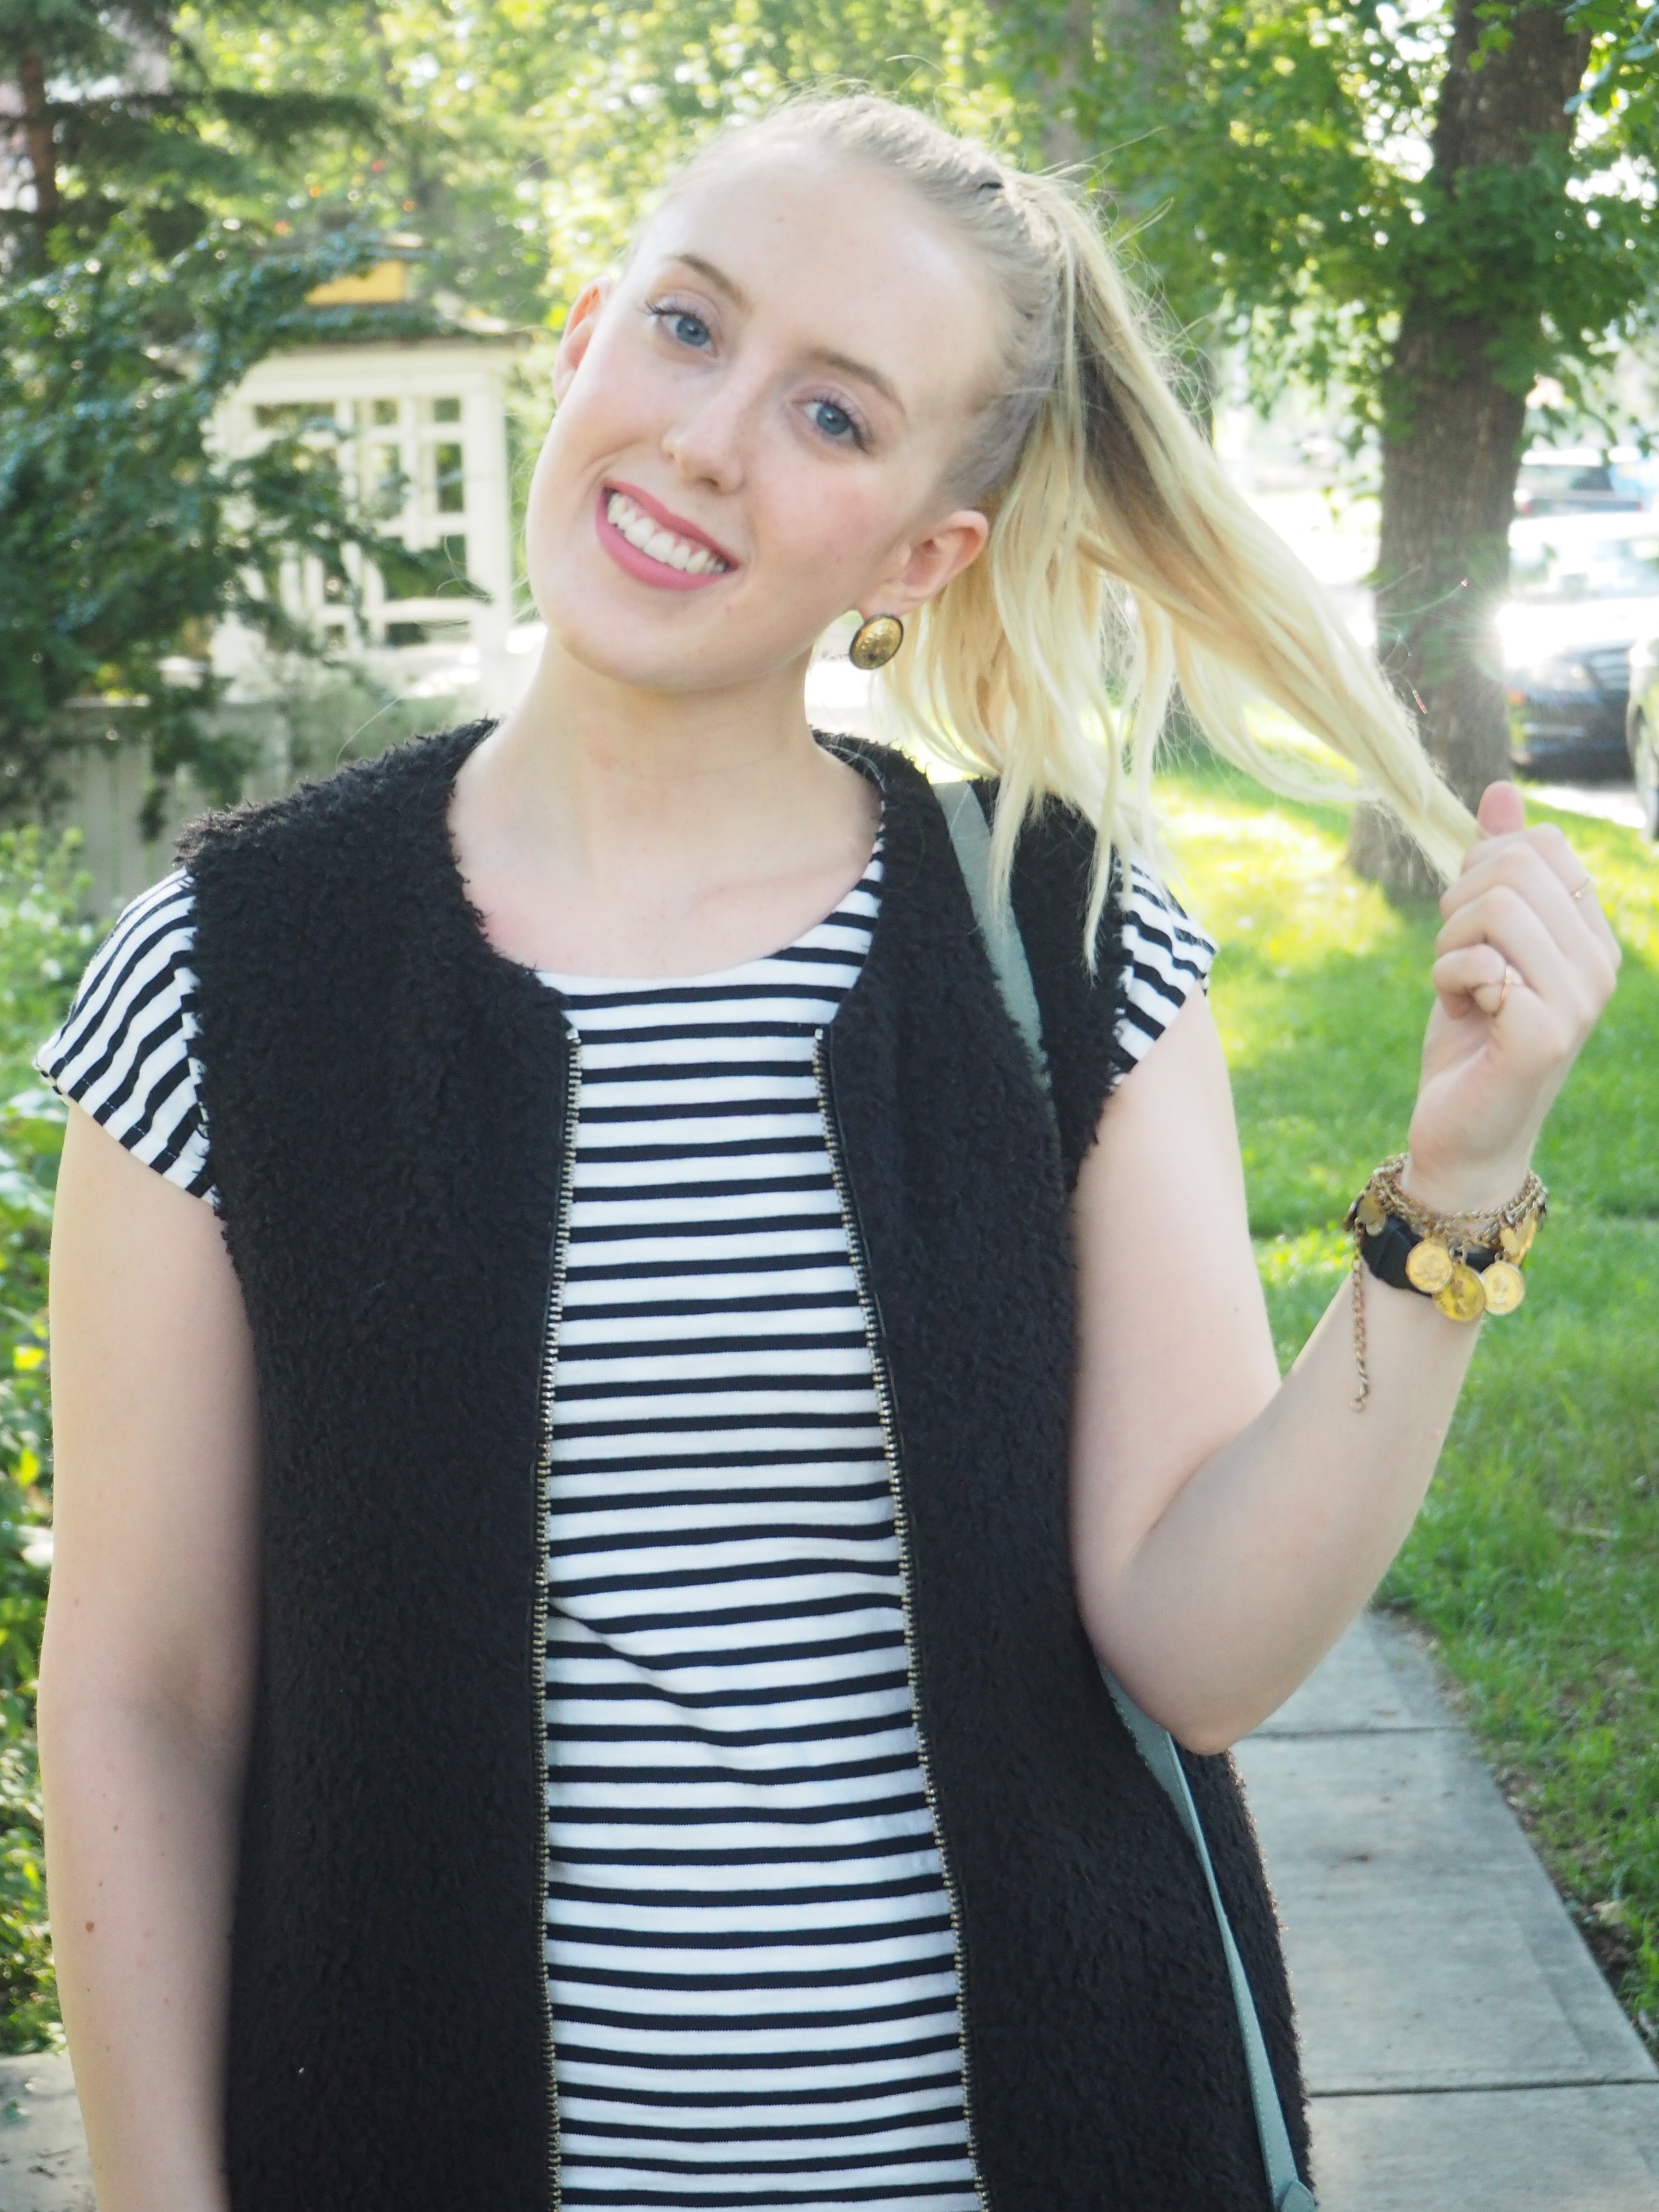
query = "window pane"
x=450 y=482
x=446 y=411
x=404 y=577
x=385 y=410
x=290 y=416
x=427 y=632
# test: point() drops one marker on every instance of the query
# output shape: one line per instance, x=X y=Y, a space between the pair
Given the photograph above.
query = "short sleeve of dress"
x=126 y=1051
x=1166 y=958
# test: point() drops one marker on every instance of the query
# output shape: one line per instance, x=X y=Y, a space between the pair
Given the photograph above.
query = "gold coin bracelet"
x=1468 y=1263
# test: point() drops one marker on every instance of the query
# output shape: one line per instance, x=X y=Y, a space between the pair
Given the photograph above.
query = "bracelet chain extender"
x=1468 y=1263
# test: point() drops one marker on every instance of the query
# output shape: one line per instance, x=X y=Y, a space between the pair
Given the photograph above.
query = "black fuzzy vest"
x=387 y=1102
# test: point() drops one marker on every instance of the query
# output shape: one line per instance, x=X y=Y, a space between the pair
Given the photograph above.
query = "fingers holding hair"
x=1522 y=925
x=1541 y=866
x=1475 y=976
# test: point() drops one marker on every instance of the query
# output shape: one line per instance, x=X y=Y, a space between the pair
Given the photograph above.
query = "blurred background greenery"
x=43 y=944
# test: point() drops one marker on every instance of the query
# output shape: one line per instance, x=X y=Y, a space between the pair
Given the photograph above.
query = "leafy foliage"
x=522 y=140
x=1276 y=153
x=43 y=948
x=124 y=533
x=135 y=292
x=122 y=117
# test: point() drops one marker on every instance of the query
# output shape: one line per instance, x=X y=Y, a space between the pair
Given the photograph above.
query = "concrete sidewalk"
x=1463 y=2051
x=43 y=2153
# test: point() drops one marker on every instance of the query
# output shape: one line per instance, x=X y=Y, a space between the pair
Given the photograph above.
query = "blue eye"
x=835 y=422
x=682 y=326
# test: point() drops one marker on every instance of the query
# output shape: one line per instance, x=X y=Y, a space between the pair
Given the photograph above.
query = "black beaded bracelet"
x=1467 y=1264
x=1387 y=1250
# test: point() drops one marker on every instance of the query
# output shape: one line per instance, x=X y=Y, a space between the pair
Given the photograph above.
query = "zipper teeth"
x=544 y=1507
x=901 y=1530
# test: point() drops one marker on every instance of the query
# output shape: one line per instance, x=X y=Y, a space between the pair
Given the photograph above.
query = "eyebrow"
x=845 y=363
x=717 y=276
x=862 y=370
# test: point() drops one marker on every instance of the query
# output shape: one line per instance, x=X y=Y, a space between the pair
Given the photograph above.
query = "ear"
x=578 y=334
x=926 y=566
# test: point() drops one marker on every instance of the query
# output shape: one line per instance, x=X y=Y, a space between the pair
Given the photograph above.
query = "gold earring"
x=876 y=641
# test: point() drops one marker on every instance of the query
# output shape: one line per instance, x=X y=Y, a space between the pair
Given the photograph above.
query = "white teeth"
x=664 y=545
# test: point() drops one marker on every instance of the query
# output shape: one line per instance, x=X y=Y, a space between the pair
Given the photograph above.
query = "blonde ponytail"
x=1122 y=566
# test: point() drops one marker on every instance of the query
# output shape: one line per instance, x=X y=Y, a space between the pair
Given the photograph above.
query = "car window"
x=1610 y=569
x=1561 y=477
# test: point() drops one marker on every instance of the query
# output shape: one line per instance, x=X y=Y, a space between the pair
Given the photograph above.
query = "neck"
x=584 y=758
x=652 y=827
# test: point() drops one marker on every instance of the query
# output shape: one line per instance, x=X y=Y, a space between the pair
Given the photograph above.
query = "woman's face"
x=755 y=426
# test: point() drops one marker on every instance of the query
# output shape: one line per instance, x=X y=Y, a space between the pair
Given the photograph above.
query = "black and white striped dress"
x=750 y=1947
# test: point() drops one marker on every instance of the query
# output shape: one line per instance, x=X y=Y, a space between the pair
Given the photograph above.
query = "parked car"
x=1578 y=480
x=1636 y=473
x=1584 y=590
x=1642 y=727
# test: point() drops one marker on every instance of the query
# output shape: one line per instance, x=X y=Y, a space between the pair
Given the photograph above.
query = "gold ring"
x=1582 y=889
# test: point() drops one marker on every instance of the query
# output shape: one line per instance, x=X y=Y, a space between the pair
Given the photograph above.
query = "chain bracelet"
x=1364 y=1392
x=1467 y=1264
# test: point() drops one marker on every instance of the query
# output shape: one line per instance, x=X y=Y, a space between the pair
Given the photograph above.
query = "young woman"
x=601 y=1422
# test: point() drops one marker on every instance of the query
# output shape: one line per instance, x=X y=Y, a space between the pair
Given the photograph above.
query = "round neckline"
x=573 y=983
x=553 y=979
x=889 y=770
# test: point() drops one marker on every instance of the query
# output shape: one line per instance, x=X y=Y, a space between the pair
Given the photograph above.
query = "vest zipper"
x=850 y=1222
x=555 y=1274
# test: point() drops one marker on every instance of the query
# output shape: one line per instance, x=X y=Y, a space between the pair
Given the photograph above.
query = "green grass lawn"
x=1535 y=1562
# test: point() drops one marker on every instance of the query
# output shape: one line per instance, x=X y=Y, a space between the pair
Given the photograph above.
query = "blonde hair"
x=1123 y=567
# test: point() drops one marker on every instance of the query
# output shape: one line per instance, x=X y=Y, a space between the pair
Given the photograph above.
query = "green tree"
x=520 y=141
x=124 y=534
x=117 y=111
x=43 y=948
x=1422 y=208
x=452 y=158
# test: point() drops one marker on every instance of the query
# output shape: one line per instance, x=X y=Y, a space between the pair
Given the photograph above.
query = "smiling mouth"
x=647 y=536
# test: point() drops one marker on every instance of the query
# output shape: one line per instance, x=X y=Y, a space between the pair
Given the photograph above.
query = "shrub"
x=43 y=947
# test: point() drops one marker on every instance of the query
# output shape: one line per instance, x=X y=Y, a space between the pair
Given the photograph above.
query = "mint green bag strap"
x=971 y=836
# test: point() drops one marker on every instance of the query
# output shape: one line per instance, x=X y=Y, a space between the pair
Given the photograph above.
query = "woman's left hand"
x=1525 y=964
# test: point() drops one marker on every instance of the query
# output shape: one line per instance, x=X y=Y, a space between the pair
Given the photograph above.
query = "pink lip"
x=642 y=565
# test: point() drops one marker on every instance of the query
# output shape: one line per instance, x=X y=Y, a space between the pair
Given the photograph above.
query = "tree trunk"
x=38 y=145
x=1452 y=436
x=1064 y=146
x=1144 y=36
x=1448 y=476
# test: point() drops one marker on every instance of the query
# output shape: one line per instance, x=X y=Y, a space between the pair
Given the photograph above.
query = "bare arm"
x=1227 y=1527
x=148 y=1664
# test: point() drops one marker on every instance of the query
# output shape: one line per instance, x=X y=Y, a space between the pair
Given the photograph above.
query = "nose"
x=707 y=443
